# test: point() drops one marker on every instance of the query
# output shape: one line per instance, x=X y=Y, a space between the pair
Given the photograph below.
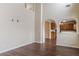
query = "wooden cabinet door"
x=53 y=35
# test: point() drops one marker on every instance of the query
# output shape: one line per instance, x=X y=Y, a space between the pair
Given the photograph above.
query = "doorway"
x=50 y=33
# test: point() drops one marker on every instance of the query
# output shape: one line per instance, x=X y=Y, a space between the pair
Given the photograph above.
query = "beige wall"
x=37 y=22
x=13 y=34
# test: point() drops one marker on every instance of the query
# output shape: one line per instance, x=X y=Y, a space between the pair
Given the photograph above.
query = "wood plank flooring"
x=47 y=49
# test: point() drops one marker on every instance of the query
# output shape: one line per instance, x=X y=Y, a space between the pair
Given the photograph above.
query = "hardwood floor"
x=47 y=49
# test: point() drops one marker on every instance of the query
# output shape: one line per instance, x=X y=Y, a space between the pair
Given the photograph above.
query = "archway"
x=50 y=32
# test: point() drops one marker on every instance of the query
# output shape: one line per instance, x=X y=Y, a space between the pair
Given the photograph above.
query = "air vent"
x=68 y=5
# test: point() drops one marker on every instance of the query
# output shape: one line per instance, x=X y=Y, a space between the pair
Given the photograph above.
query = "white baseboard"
x=37 y=42
x=68 y=46
x=16 y=47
